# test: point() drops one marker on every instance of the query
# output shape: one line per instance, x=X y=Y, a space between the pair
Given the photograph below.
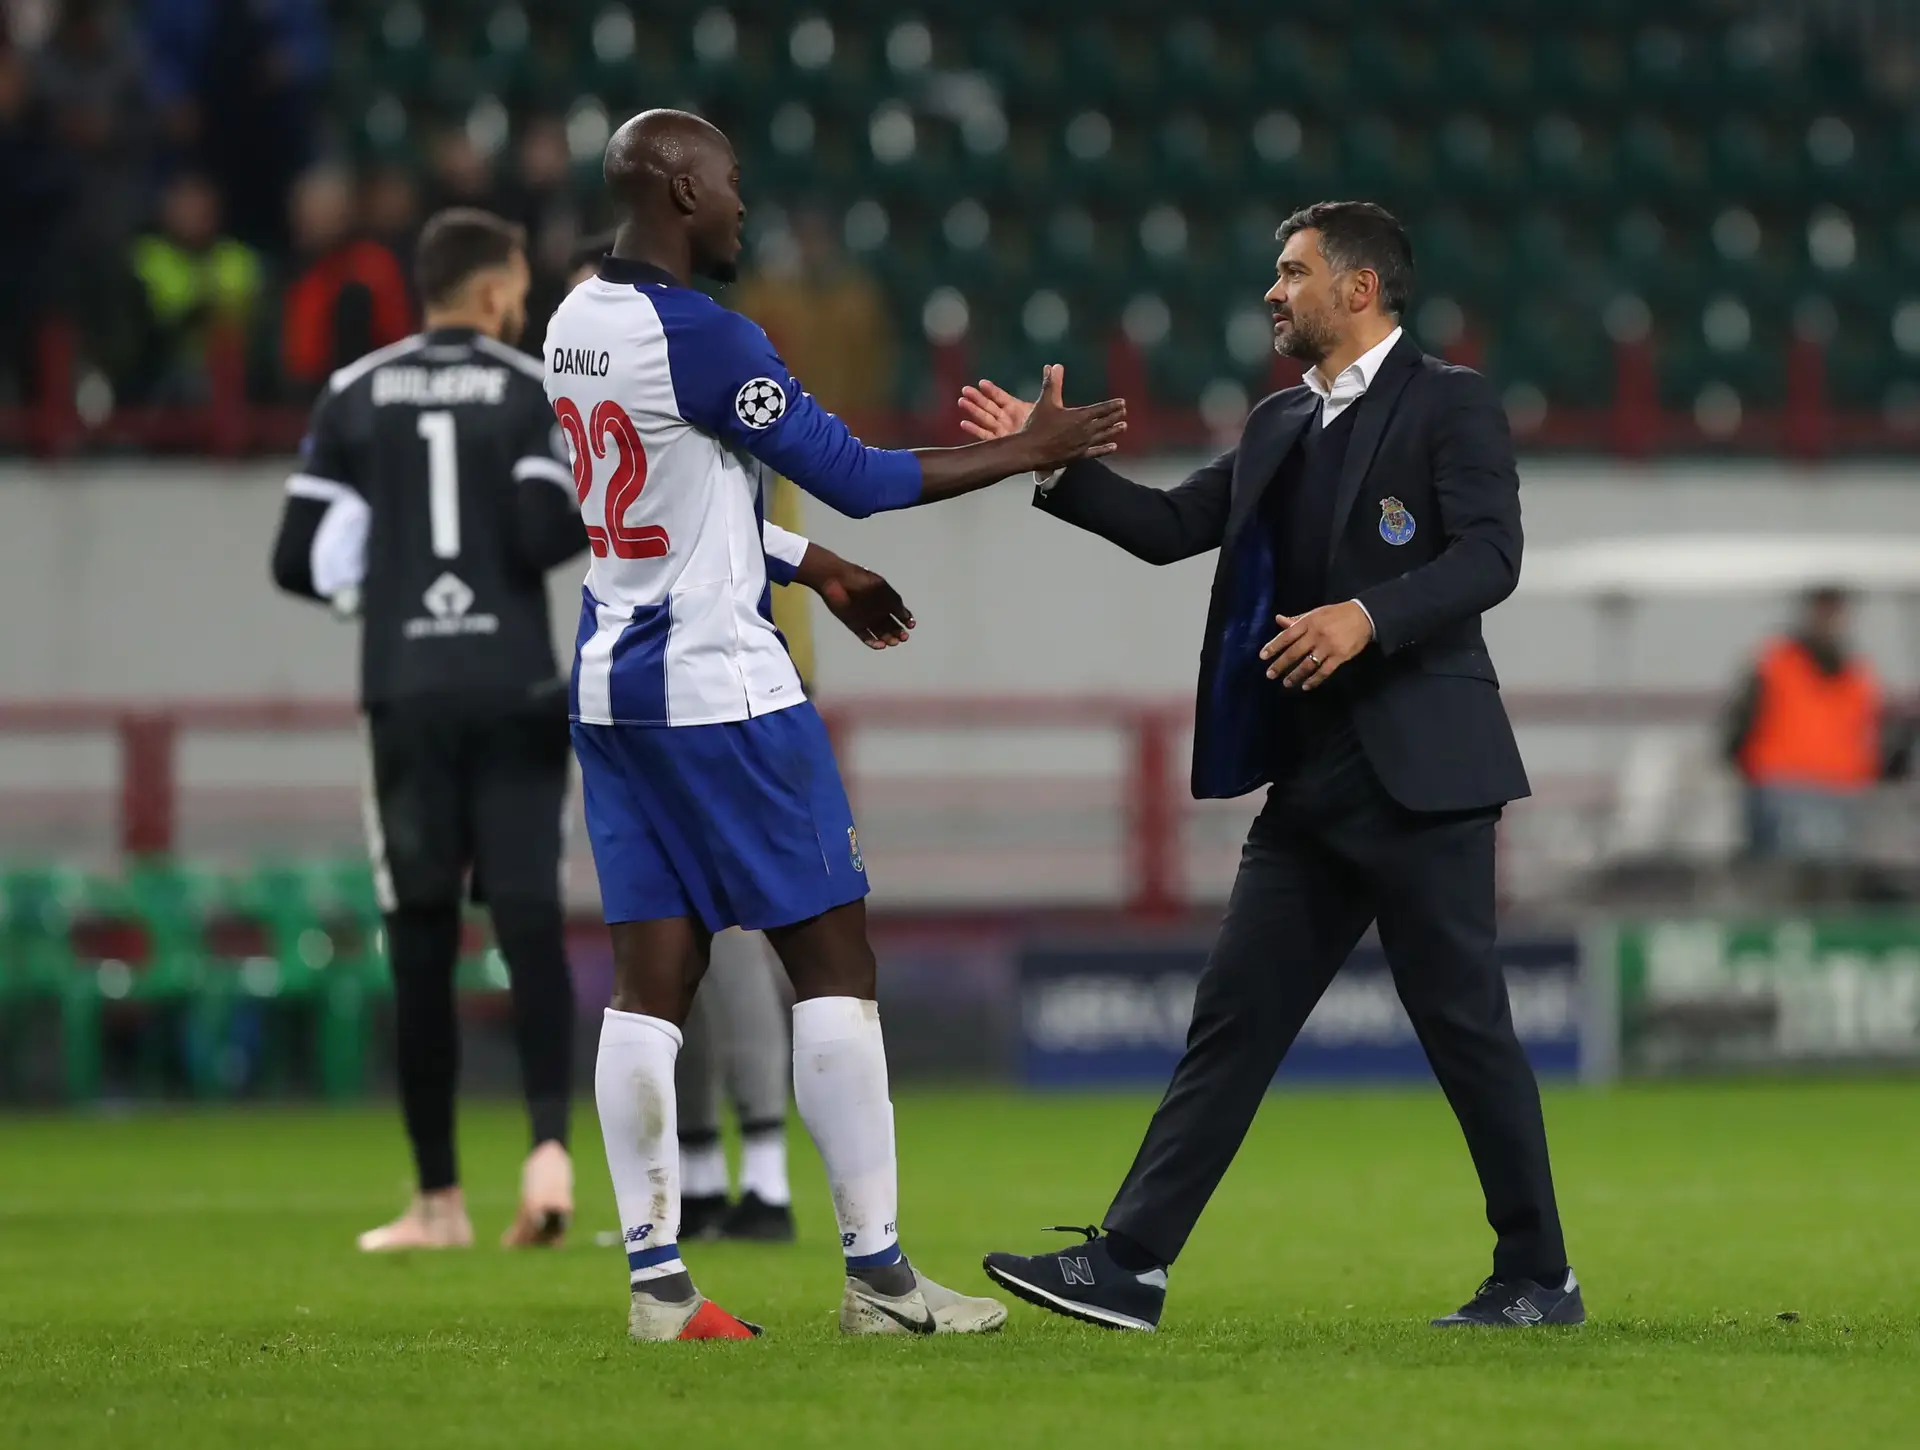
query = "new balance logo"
x=638 y=1235
x=1522 y=1312
x=846 y=1240
x=1076 y=1270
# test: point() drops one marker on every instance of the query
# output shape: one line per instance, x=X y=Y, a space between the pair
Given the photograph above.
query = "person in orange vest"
x=1806 y=734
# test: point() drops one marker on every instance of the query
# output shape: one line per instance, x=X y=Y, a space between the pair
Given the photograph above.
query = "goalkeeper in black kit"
x=431 y=500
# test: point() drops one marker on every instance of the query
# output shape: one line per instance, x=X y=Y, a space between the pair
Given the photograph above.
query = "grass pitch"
x=190 y=1281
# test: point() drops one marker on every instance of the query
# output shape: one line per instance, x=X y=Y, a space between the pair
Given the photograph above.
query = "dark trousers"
x=1330 y=853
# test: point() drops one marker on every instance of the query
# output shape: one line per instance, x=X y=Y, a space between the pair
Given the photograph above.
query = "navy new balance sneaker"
x=1519 y=1304
x=1083 y=1282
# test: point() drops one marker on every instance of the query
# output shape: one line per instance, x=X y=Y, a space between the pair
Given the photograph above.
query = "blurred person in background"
x=91 y=78
x=33 y=191
x=541 y=198
x=735 y=1047
x=431 y=501
x=389 y=208
x=238 y=85
x=1808 y=733
x=826 y=316
x=457 y=174
x=348 y=295
x=195 y=280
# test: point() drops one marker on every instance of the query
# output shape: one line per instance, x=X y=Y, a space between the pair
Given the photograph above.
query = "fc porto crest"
x=1396 y=524
x=853 y=851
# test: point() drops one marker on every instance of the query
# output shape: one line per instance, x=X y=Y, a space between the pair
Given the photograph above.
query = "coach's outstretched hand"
x=990 y=411
x=859 y=598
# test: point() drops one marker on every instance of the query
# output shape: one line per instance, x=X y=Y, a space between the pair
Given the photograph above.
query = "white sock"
x=703 y=1170
x=633 y=1088
x=763 y=1166
x=840 y=1087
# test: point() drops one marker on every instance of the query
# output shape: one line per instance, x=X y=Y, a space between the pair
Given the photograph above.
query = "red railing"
x=1633 y=425
x=1149 y=790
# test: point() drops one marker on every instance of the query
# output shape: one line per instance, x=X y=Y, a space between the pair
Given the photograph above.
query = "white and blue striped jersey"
x=677 y=414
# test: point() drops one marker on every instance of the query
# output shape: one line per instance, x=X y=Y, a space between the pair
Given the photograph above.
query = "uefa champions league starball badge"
x=760 y=403
x=1396 y=524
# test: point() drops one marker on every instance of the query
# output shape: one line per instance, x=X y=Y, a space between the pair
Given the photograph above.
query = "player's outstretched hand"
x=866 y=604
x=1055 y=433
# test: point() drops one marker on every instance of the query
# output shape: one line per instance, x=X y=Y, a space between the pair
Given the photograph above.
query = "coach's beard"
x=1301 y=340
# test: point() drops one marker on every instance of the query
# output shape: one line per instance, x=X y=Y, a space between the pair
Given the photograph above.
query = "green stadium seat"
x=1584 y=69
x=1201 y=62
x=1545 y=130
x=1657 y=162
x=1382 y=161
x=1026 y=61
x=1400 y=70
x=1475 y=161
x=1304 y=68
x=1670 y=70
x=1494 y=68
x=1754 y=161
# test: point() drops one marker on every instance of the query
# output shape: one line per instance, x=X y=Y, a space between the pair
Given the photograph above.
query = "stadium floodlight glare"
x=1717 y=410
x=1830 y=239
x=811 y=43
x=715 y=36
x=1045 y=317
x=866 y=226
x=909 y=47
x=1726 y=324
x=891 y=133
x=1277 y=137
x=1147 y=320
x=1526 y=407
x=1830 y=141
x=1906 y=327
x=967 y=225
x=613 y=35
x=944 y=318
x=1736 y=234
x=1441 y=321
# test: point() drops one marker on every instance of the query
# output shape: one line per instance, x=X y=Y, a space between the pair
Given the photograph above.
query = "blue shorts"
x=740 y=824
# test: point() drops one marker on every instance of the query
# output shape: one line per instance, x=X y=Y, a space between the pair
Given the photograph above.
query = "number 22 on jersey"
x=588 y=439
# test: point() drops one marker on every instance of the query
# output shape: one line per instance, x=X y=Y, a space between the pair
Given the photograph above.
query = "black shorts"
x=465 y=794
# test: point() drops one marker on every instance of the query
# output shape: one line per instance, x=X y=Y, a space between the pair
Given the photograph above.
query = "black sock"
x=1130 y=1254
x=893 y=1279
x=531 y=935
x=422 y=943
x=668 y=1288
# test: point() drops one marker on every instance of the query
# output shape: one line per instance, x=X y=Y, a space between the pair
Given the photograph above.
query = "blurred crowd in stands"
x=167 y=175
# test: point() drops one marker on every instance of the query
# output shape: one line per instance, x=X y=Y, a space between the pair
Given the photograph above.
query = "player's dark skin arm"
x=1053 y=436
x=859 y=598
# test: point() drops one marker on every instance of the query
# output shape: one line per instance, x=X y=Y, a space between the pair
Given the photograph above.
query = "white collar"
x=1357 y=376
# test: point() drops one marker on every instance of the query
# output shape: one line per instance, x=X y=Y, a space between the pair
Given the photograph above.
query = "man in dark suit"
x=1366 y=520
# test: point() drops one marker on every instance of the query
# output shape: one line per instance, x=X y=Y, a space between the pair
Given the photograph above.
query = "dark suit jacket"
x=1424 y=696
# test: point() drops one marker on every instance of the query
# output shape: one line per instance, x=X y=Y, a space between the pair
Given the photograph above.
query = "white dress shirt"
x=1354 y=379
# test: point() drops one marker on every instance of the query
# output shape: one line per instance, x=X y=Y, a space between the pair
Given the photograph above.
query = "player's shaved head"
x=656 y=146
x=677 y=182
